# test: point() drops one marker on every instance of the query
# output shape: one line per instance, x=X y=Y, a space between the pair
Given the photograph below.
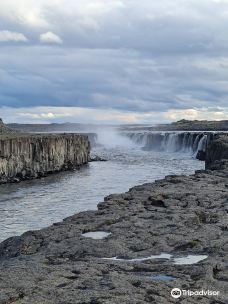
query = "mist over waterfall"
x=191 y=142
x=111 y=138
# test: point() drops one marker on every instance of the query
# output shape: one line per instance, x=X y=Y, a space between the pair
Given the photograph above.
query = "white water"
x=190 y=142
x=38 y=203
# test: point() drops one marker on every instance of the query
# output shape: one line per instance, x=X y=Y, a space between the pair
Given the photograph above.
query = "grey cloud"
x=162 y=27
x=147 y=56
x=121 y=79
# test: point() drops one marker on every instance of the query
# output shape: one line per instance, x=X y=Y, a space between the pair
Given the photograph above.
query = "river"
x=35 y=204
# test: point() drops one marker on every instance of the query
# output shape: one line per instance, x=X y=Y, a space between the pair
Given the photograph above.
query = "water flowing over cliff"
x=191 y=142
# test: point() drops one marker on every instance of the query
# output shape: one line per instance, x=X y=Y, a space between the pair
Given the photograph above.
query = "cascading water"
x=202 y=143
x=191 y=142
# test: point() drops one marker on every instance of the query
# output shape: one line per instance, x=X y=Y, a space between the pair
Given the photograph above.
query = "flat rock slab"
x=171 y=219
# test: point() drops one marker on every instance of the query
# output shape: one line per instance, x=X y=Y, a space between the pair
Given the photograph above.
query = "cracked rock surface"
x=179 y=215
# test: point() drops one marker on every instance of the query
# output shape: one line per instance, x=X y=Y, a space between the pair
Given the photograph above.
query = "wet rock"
x=201 y=155
x=217 y=151
x=97 y=158
x=185 y=217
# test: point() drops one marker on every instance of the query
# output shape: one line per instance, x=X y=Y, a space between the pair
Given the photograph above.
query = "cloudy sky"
x=117 y=61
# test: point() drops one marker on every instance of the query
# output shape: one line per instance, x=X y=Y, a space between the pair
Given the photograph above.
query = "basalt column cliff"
x=26 y=156
x=163 y=235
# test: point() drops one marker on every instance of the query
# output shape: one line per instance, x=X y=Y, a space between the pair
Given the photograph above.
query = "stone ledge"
x=27 y=156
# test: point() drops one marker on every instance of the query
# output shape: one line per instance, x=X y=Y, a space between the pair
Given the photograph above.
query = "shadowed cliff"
x=28 y=156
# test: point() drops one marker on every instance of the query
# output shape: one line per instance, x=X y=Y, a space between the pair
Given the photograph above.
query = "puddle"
x=96 y=235
x=152 y=257
x=163 y=278
x=190 y=259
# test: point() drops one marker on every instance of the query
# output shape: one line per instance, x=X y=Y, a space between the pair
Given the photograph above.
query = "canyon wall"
x=217 y=152
x=160 y=235
x=31 y=156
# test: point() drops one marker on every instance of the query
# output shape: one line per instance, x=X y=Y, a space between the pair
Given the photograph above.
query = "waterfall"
x=191 y=142
x=202 y=143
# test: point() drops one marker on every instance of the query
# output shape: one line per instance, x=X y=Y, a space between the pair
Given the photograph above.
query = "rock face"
x=216 y=151
x=150 y=230
x=4 y=129
x=178 y=216
x=31 y=156
x=92 y=138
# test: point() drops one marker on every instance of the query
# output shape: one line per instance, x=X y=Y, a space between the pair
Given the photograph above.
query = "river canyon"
x=134 y=246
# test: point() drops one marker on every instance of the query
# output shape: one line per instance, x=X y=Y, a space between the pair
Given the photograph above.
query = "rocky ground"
x=178 y=215
x=184 y=125
x=181 y=125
